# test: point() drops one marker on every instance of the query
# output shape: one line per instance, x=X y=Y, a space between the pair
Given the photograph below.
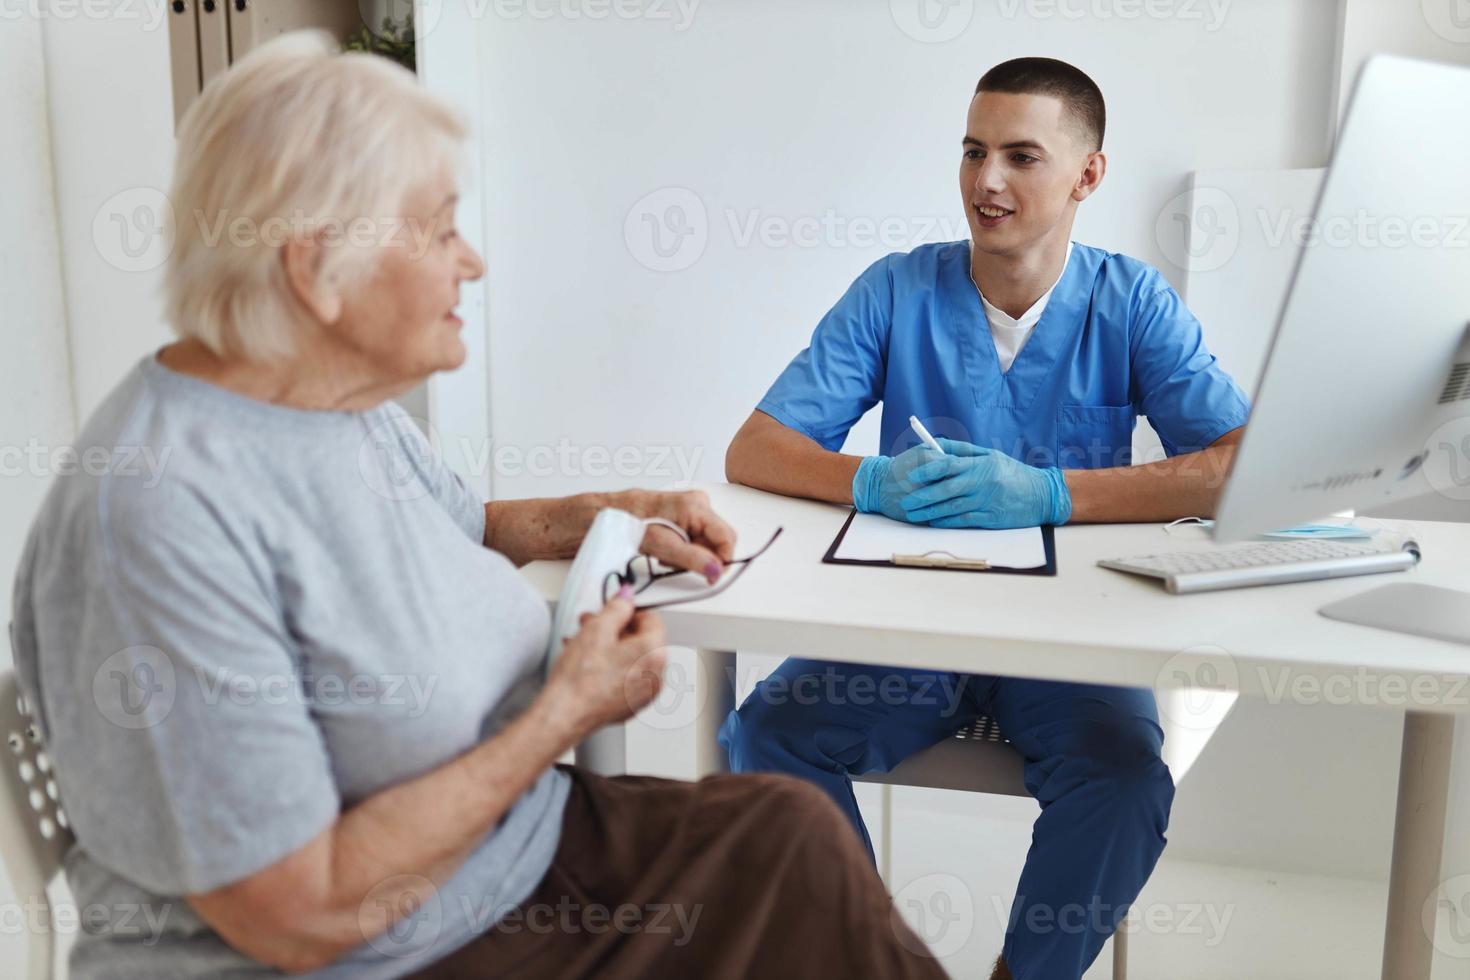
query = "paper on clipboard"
x=873 y=537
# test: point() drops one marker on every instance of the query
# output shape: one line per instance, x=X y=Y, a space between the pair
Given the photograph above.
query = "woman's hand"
x=611 y=669
x=711 y=541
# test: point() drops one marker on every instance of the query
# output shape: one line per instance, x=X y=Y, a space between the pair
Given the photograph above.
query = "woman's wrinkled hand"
x=612 y=668
x=711 y=541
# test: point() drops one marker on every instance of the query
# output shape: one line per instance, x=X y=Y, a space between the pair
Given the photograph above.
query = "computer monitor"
x=1365 y=398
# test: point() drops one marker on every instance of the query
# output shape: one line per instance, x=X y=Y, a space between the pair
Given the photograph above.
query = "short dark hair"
x=1047 y=76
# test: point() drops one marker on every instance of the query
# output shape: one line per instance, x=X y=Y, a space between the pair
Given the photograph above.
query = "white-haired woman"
x=293 y=688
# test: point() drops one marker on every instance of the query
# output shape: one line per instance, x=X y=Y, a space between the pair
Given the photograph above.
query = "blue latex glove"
x=971 y=486
x=882 y=482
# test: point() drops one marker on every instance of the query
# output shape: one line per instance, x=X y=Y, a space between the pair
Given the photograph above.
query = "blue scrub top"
x=1114 y=342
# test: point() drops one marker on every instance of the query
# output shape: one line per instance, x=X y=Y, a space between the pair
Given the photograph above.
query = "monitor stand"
x=1408 y=607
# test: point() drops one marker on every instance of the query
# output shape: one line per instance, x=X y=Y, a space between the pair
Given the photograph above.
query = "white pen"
x=923 y=434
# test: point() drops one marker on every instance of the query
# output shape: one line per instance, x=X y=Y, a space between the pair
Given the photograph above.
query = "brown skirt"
x=729 y=877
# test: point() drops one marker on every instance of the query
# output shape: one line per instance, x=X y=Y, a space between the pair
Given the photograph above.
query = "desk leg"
x=1418 y=842
x=605 y=752
x=715 y=673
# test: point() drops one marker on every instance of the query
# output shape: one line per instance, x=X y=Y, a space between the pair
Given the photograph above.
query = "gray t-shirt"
x=242 y=619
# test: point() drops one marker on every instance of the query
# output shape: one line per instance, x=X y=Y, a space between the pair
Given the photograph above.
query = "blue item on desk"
x=1318 y=532
x=1343 y=532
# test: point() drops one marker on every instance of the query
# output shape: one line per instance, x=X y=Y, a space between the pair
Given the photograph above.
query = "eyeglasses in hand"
x=640 y=573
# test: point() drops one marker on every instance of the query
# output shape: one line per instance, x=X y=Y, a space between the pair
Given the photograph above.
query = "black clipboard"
x=1048 y=540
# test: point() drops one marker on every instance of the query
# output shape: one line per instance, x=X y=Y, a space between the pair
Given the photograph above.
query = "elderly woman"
x=294 y=689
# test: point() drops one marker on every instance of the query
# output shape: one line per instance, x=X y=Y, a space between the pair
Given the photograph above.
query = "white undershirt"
x=1011 y=334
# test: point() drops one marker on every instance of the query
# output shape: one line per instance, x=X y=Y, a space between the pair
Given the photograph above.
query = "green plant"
x=393 y=40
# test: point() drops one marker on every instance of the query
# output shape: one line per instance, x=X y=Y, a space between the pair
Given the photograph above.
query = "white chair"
x=34 y=834
x=978 y=759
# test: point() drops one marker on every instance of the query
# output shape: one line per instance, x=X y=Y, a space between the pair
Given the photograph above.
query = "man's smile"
x=990 y=215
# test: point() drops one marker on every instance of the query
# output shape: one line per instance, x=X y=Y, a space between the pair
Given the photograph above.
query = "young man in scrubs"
x=1031 y=357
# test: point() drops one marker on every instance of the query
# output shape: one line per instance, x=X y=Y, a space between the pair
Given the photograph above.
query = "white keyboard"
x=1270 y=563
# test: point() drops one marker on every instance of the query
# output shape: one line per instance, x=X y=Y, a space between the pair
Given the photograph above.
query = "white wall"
x=112 y=134
x=764 y=109
x=457 y=404
x=37 y=416
x=1439 y=30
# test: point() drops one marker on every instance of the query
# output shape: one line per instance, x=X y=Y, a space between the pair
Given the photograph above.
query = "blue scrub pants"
x=1092 y=762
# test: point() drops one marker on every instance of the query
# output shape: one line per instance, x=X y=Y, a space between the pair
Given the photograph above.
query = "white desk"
x=1091 y=624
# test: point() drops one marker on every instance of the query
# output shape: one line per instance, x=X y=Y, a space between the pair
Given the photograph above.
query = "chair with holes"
x=34 y=833
x=978 y=759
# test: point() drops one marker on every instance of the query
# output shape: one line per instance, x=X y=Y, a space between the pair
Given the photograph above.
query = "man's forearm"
x=1185 y=486
x=767 y=455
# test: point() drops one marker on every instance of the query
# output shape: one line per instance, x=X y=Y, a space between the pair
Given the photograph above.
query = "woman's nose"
x=472 y=265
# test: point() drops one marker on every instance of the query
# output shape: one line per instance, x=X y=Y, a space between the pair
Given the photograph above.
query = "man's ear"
x=303 y=259
x=1091 y=177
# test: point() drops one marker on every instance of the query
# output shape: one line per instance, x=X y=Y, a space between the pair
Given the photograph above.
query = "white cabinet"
x=205 y=36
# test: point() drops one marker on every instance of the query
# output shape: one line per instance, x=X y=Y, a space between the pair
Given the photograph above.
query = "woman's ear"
x=303 y=259
x=1091 y=177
